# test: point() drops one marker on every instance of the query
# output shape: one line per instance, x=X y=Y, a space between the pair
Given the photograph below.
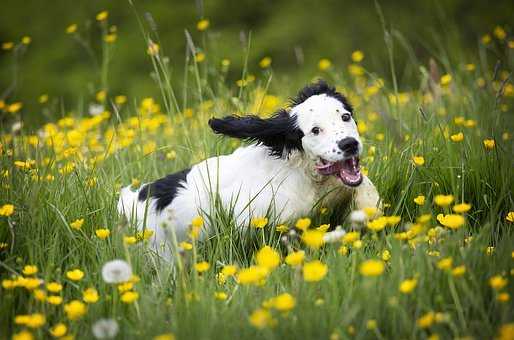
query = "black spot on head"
x=164 y=190
x=317 y=88
x=279 y=133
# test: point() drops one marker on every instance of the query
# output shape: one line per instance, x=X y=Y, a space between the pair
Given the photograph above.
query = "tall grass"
x=80 y=163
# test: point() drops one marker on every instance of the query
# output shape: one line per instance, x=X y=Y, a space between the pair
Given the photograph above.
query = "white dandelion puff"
x=358 y=216
x=116 y=271
x=105 y=328
x=334 y=235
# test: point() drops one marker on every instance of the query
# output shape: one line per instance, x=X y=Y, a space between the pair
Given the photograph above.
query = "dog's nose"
x=349 y=145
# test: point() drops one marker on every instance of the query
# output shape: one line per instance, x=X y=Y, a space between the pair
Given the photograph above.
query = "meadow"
x=438 y=264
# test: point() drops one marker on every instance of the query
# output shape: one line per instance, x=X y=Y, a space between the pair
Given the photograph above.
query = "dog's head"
x=319 y=123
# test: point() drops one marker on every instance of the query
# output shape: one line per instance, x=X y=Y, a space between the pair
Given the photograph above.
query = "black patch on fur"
x=317 y=88
x=279 y=133
x=165 y=189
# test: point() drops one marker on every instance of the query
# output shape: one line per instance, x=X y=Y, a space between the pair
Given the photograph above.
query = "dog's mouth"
x=347 y=170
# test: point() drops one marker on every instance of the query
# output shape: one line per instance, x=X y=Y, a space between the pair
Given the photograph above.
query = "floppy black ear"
x=279 y=132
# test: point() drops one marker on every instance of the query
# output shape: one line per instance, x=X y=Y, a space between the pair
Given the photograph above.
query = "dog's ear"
x=279 y=132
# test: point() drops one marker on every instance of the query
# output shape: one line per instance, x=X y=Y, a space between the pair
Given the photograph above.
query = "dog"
x=298 y=157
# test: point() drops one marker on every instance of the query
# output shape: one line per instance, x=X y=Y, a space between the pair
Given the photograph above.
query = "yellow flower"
x=295 y=258
x=506 y=332
x=499 y=33
x=126 y=286
x=351 y=237
x=443 y=200
x=407 y=286
x=202 y=266
x=165 y=336
x=355 y=70
x=314 y=271
x=284 y=302
x=229 y=270
x=75 y=309
x=185 y=245
x=39 y=295
x=486 y=39
x=199 y=57
x=153 y=48
x=202 y=25
x=357 y=56
x=252 y=275
x=418 y=160
x=71 y=29
x=75 y=274
x=393 y=220
x=510 y=217
x=261 y=318
x=426 y=320
x=377 y=224
x=489 y=144
x=197 y=221
x=265 y=62
x=324 y=64
x=371 y=324
x=58 y=330
x=267 y=257
x=461 y=208
x=458 y=137
x=470 y=67
x=30 y=270
x=77 y=224
x=54 y=300
x=120 y=99
x=445 y=80
x=451 y=221
x=503 y=297
x=303 y=223
x=102 y=16
x=54 y=287
x=26 y=40
x=90 y=295
x=313 y=238
x=129 y=297
x=372 y=268
x=23 y=335
x=220 y=296
x=7 y=45
x=343 y=250
x=386 y=255
x=129 y=240
x=102 y=233
x=459 y=271
x=497 y=282
x=419 y=200
x=282 y=228
x=445 y=263
x=6 y=210
x=259 y=222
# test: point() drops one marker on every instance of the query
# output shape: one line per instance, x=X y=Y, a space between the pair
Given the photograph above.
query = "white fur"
x=252 y=181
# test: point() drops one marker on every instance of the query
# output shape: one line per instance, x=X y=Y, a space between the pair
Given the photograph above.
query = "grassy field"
x=438 y=264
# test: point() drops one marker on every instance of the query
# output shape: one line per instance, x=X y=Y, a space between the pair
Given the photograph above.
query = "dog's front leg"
x=366 y=195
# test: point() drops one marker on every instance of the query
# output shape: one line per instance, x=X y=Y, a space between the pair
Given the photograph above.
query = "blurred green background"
x=296 y=34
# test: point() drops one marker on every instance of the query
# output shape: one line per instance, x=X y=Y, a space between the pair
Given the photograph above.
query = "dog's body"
x=302 y=158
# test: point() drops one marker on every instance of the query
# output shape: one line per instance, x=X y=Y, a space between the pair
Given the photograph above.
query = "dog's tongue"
x=349 y=172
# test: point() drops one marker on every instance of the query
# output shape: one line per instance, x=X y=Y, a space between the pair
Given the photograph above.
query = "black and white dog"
x=299 y=156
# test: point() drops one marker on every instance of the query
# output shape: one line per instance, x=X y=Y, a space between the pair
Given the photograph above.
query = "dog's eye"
x=315 y=130
x=346 y=117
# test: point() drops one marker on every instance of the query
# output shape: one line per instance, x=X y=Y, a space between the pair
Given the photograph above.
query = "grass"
x=73 y=168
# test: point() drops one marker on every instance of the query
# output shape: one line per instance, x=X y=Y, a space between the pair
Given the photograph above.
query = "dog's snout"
x=349 y=145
